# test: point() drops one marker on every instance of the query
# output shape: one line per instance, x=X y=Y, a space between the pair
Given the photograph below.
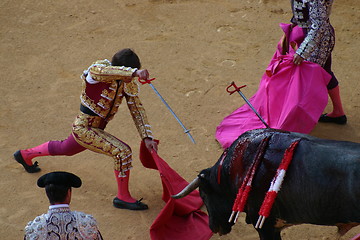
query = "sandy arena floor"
x=194 y=48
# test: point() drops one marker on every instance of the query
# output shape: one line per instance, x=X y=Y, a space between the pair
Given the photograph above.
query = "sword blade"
x=187 y=131
x=252 y=108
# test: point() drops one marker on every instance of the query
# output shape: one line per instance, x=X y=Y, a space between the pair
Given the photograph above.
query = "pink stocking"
x=336 y=100
x=29 y=154
x=123 y=187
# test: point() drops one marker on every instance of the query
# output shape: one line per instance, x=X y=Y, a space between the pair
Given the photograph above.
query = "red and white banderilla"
x=237 y=89
x=187 y=131
x=275 y=185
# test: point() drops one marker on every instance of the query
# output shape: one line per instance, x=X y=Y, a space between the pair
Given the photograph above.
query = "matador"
x=105 y=85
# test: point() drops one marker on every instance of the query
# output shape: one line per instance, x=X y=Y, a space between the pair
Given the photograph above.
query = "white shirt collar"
x=59 y=206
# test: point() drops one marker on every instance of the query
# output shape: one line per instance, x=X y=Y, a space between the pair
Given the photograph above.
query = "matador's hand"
x=297 y=59
x=150 y=144
x=142 y=74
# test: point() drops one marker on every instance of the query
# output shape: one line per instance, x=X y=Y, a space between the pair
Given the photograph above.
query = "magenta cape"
x=290 y=97
x=180 y=218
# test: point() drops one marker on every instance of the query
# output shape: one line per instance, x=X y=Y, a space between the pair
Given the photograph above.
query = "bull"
x=321 y=186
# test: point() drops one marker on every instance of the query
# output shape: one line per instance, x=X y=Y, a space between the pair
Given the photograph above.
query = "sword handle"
x=143 y=81
x=236 y=88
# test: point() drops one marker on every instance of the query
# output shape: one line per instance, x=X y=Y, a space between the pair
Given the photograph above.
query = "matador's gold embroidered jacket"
x=104 y=89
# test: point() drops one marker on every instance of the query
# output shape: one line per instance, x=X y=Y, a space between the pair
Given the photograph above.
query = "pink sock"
x=357 y=237
x=29 y=154
x=123 y=187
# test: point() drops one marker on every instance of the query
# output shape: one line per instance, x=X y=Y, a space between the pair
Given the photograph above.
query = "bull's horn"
x=188 y=189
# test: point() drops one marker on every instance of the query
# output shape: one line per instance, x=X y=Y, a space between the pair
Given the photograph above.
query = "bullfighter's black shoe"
x=138 y=205
x=30 y=169
x=338 y=120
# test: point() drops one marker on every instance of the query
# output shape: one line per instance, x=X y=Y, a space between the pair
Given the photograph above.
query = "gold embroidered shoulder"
x=103 y=71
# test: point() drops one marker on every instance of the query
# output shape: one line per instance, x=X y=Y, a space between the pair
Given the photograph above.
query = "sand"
x=194 y=49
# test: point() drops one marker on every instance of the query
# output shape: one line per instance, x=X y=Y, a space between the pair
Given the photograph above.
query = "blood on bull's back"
x=320 y=186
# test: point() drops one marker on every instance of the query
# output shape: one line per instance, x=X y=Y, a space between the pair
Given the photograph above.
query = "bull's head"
x=217 y=198
x=218 y=186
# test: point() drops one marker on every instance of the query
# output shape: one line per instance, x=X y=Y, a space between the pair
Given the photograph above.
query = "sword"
x=237 y=89
x=187 y=131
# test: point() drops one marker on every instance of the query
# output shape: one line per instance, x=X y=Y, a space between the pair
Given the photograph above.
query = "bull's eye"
x=206 y=187
x=202 y=176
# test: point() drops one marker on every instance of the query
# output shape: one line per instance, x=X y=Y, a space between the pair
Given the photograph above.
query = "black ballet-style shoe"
x=30 y=169
x=338 y=120
x=138 y=205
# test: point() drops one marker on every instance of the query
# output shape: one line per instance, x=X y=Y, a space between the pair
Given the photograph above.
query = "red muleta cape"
x=180 y=218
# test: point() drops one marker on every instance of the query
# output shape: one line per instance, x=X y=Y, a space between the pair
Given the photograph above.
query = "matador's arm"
x=102 y=71
x=139 y=116
x=319 y=12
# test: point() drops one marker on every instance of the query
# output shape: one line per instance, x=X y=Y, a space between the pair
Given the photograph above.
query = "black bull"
x=321 y=186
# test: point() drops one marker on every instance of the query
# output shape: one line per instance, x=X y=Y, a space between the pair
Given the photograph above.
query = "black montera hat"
x=59 y=178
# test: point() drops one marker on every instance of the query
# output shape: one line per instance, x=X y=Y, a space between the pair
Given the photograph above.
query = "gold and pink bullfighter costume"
x=104 y=88
x=102 y=93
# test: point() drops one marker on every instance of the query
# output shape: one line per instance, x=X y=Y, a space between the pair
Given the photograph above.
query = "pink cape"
x=180 y=218
x=290 y=97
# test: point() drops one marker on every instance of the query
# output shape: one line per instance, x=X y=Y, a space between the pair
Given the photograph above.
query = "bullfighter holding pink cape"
x=293 y=91
x=290 y=97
